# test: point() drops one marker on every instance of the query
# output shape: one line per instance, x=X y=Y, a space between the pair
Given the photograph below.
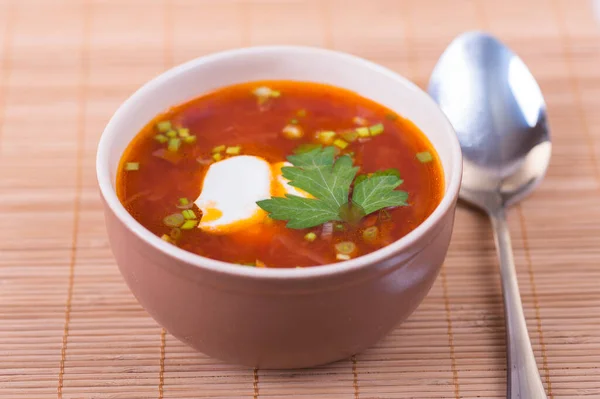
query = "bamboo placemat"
x=69 y=328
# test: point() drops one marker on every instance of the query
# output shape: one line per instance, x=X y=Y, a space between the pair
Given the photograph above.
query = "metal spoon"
x=499 y=115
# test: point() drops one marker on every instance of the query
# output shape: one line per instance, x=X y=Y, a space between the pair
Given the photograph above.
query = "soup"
x=280 y=174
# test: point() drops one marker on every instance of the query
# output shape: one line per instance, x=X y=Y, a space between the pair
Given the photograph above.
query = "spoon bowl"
x=498 y=112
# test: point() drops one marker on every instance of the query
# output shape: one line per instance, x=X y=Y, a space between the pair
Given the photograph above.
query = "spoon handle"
x=524 y=381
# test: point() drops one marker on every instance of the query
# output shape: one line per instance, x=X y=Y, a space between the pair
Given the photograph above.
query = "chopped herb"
x=189 y=139
x=340 y=143
x=370 y=233
x=328 y=180
x=363 y=132
x=339 y=227
x=294 y=121
x=174 y=220
x=350 y=135
x=424 y=157
x=174 y=144
x=175 y=233
x=391 y=117
x=161 y=138
x=219 y=148
x=302 y=148
x=326 y=136
x=189 y=224
x=189 y=214
x=292 y=132
x=183 y=201
x=131 y=166
x=233 y=150
x=345 y=247
x=342 y=257
x=310 y=237
x=171 y=134
x=301 y=113
x=376 y=130
x=217 y=157
x=163 y=126
x=183 y=132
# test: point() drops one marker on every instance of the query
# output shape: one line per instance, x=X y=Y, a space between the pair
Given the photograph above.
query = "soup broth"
x=194 y=174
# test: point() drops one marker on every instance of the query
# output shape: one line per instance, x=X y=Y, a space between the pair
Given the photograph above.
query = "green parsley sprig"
x=329 y=180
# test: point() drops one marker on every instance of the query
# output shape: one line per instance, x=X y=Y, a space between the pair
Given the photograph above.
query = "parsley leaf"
x=378 y=191
x=300 y=212
x=329 y=180
x=316 y=173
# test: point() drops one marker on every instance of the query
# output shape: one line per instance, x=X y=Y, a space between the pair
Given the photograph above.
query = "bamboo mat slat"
x=69 y=328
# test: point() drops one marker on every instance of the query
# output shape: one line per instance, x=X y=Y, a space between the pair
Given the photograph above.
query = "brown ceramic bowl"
x=278 y=318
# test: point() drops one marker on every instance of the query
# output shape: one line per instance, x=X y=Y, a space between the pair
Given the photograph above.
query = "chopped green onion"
x=175 y=233
x=233 y=150
x=174 y=220
x=301 y=113
x=391 y=117
x=340 y=143
x=167 y=238
x=363 y=131
x=310 y=237
x=183 y=201
x=424 y=157
x=189 y=214
x=326 y=136
x=183 y=132
x=340 y=227
x=370 y=233
x=189 y=139
x=345 y=247
x=130 y=166
x=161 y=138
x=349 y=135
x=294 y=121
x=189 y=224
x=376 y=130
x=171 y=134
x=163 y=126
x=292 y=132
x=217 y=157
x=342 y=257
x=219 y=148
x=174 y=144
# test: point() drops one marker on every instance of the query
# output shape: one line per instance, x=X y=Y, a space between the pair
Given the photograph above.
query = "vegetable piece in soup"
x=280 y=174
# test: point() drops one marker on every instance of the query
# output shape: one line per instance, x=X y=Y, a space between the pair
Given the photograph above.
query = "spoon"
x=499 y=114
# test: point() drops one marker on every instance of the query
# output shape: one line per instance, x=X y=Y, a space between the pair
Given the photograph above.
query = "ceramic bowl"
x=278 y=318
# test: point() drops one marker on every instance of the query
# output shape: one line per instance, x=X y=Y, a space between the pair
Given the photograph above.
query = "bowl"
x=278 y=318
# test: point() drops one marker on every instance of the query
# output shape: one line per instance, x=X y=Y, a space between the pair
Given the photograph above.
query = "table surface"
x=69 y=327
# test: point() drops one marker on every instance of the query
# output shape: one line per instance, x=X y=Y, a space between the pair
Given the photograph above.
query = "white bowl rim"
x=110 y=196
